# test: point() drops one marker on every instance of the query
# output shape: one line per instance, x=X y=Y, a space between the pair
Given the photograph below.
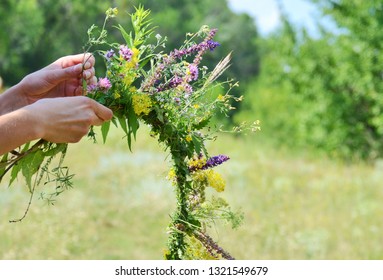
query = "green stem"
x=182 y=220
x=177 y=244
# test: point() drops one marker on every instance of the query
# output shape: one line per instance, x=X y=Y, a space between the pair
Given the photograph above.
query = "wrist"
x=35 y=122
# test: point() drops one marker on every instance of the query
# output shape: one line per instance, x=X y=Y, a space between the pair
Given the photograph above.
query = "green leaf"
x=15 y=171
x=104 y=130
x=124 y=127
x=30 y=165
x=25 y=147
x=145 y=61
x=122 y=122
x=197 y=143
x=133 y=123
x=114 y=121
x=54 y=151
x=201 y=124
x=127 y=37
x=160 y=114
x=3 y=165
x=133 y=127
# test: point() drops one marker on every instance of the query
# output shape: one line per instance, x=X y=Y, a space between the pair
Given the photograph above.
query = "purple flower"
x=212 y=44
x=193 y=72
x=198 y=49
x=109 y=54
x=185 y=52
x=188 y=88
x=214 y=161
x=104 y=84
x=91 y=88
x=175 y=81
x=210 y=163
x=125 y=52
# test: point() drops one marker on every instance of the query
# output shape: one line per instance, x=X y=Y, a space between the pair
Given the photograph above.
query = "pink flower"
x=193 y=72
x=126 y=53
x=104 y=84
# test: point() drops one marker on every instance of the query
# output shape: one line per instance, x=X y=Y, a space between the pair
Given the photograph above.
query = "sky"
x=267 y=16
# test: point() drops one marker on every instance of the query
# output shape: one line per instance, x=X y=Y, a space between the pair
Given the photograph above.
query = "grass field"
x=297 y=205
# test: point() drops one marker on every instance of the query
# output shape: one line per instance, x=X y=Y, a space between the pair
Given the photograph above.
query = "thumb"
x=102 y=112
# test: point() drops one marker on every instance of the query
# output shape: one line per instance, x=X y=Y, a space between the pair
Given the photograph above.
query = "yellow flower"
x=117 y=95
x=132 y=64
x=112 y=12
x=129 y=79
x=188 y=138
x=221 y=98
x=196 y=163
x=197 y=251
x=196 y=106
x=166 y=252
x=210 y=178
x=129 y=68
x=142 y=104
x=215 y=180
x=200 y=176
x=172 y=176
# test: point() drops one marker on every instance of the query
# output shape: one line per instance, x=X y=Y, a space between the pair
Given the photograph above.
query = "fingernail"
x=93 y=81
x=78 y=68
x=87 y=74
x=87 y=65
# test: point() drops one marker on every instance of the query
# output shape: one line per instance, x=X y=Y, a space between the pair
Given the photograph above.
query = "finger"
x=87 y=59
x=70 y=60
x=87 y=65
x=78 y=91
x=92 y=81
x=56 y=76
x=88 y=74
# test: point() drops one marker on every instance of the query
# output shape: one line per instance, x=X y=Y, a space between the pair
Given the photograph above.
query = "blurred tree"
x=16 y=38
x=35 y=32
x=334 y=81
x=236 y=33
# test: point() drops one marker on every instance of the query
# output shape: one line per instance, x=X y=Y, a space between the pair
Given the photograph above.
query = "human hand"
x=62 y=78
x=66 y=120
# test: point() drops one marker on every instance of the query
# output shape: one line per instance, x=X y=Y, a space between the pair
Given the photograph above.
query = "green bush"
x=331 y=87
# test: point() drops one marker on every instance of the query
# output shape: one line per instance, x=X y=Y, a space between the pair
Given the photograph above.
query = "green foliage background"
x=35 y=32
x=326 y=91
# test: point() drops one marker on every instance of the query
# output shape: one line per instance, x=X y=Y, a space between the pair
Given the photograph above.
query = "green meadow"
x=297 y=205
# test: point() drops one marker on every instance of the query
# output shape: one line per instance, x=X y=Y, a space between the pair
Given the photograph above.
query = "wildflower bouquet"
x=175 y=96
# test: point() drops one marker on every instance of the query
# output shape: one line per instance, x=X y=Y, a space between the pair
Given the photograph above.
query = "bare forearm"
x=57 y=120
x=11 y=100
x=16 y=129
